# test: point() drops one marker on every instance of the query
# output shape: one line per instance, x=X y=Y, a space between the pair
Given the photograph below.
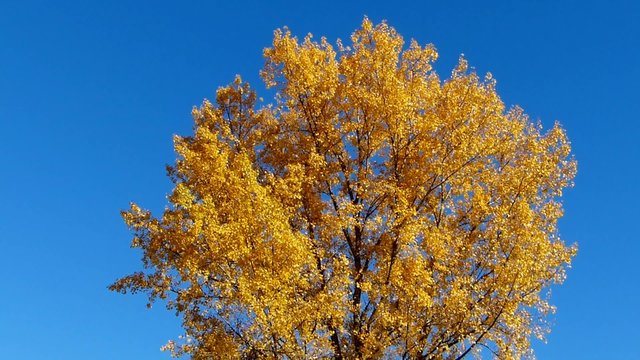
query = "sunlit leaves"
x=373 y=210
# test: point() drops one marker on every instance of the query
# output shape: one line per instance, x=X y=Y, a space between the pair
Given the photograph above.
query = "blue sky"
x=92 y=92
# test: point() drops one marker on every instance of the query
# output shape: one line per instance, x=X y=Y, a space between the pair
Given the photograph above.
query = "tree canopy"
x=373 y=210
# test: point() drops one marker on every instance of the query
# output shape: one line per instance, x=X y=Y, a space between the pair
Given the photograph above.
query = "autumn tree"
x=372 y=211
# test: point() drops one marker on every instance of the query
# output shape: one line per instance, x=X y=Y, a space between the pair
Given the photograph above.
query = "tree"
x=373 y=211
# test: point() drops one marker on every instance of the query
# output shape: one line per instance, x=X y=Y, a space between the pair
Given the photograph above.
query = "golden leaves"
x=373 y=211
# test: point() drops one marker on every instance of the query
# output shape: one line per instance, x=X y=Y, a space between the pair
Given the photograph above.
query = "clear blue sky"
x=92 y=92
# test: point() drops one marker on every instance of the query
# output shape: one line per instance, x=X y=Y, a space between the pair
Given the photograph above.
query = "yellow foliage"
x=373 y=211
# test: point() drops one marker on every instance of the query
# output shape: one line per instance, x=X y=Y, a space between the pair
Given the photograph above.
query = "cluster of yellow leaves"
x=374 y=211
